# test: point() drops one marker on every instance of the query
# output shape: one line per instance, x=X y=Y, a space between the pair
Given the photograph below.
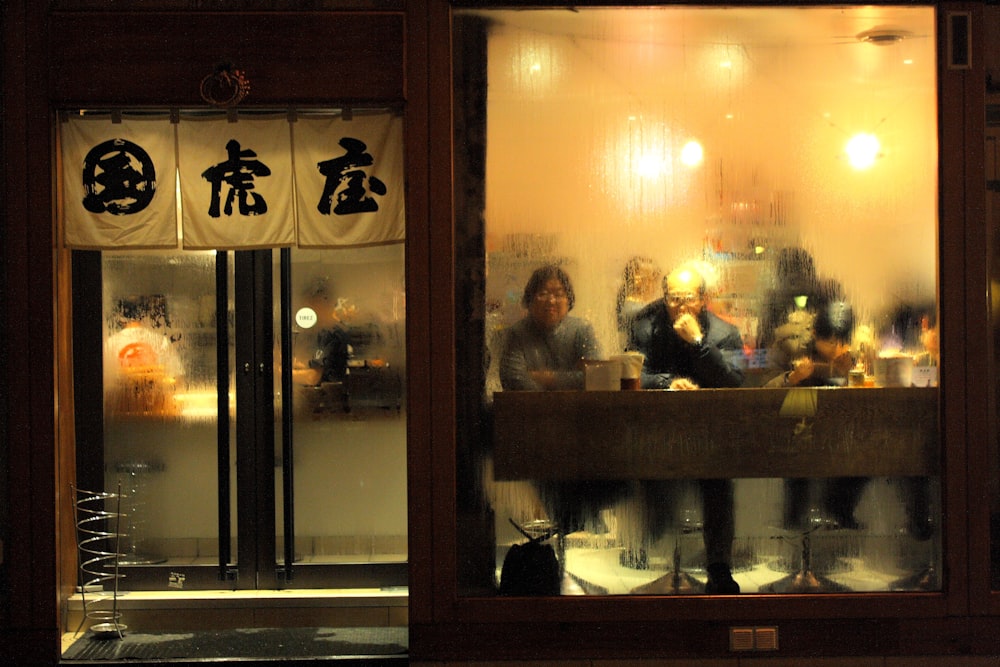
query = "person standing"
x=687 y=347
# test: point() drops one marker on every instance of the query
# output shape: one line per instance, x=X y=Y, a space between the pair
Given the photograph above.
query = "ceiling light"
x=883 y=36
x=692 y=153
x=862 y=150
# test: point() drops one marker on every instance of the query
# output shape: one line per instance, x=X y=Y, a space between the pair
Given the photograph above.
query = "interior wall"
x=581 y=112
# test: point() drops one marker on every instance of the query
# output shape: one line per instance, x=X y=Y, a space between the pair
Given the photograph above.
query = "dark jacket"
x=716 y=363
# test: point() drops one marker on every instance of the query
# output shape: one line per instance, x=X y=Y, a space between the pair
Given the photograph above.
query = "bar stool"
x=806 y=576
x=680 y=579
x=134 y=477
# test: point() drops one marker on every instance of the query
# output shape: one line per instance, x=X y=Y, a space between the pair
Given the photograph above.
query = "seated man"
x=688 y=347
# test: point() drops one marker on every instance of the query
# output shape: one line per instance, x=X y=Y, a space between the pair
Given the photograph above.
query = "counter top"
x=716 y=433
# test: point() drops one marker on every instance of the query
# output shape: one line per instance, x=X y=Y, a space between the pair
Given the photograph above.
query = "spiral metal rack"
x=98 y=517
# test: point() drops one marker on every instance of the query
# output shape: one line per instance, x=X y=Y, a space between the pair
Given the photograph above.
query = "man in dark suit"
x=687 y=347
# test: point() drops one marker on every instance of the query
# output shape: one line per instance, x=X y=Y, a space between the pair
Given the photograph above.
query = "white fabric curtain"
x=349 y=176
x=236 y=183
x=260 y=182
x=118 y=183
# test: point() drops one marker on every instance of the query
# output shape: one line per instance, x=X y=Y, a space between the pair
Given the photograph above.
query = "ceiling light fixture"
x=883 y=36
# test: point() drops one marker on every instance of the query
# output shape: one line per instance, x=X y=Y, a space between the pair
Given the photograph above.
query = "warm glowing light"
x=650 y=166
x=692 y=154
x=730 y=116
x=535 y=67
x=727 y=64
x=862 y=150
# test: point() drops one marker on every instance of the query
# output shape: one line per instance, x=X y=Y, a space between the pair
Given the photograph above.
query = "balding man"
x=688 y=347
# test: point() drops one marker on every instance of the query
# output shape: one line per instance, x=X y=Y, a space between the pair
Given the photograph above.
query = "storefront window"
x=743 y=202
x=244 y=394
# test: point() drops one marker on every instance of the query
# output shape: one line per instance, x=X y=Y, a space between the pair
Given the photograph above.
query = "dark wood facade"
x=63 y=55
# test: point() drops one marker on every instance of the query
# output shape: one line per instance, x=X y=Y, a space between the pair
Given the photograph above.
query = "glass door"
x=341 y=314
x=257 y=436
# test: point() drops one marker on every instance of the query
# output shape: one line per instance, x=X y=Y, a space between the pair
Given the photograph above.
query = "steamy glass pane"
x=160 y=401
x=747 y=198
x=348 y=369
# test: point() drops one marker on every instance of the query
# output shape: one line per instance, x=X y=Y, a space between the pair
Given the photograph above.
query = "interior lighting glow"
x=862 y=151
x=649 y=166
x=692 y=154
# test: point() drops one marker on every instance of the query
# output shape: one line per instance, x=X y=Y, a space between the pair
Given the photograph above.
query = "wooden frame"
x=49 y=62
x=484 y=627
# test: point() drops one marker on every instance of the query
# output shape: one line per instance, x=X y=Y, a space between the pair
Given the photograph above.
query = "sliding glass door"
x=248 y=406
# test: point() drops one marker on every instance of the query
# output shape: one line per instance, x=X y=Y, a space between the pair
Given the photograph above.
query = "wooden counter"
x=797 y=432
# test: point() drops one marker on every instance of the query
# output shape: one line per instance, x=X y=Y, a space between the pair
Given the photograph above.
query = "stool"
x=679 y=580
x=136 y=475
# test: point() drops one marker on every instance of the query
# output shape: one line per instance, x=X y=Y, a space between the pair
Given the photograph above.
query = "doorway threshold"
x=220 y=609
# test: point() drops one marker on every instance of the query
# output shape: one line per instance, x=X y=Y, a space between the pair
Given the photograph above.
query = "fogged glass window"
x=732 y=211
x=161 y=400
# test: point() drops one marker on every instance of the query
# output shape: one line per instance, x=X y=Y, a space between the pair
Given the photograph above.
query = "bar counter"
x=716 y=433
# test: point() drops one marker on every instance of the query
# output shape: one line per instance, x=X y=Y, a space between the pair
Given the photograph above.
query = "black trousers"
x=660 y=500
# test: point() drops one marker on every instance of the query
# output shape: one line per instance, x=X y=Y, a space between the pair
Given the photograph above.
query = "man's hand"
x=688 y=328
x=682 y=384
x=802 y=369
x=842 y=364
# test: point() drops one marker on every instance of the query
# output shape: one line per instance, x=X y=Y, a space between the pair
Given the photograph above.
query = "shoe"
x=720 y=581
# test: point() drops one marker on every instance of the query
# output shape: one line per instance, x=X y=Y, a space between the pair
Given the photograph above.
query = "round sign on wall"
x=305 y=317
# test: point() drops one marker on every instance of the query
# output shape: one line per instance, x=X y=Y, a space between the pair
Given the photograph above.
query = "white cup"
x=894 y=371
x=631 y=369
x=601 y=375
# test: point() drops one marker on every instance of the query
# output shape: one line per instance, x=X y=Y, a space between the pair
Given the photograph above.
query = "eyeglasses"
x=677 y=300
x=545 y=295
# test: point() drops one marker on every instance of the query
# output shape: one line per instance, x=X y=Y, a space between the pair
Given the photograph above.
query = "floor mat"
x=243 y=643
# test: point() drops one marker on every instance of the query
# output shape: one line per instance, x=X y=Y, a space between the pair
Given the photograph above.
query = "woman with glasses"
x=544 y=351
x=545 y=348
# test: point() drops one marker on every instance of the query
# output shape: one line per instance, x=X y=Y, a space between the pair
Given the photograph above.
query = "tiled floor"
x=602 y=569
x=839 y=561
